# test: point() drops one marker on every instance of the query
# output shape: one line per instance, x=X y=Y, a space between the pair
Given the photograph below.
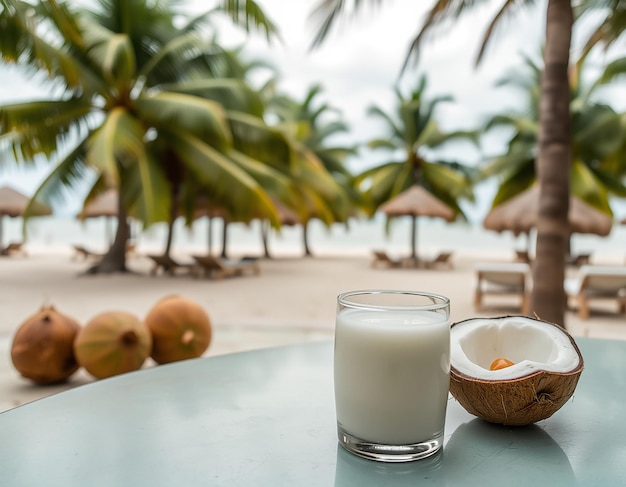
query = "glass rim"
x=444 y=302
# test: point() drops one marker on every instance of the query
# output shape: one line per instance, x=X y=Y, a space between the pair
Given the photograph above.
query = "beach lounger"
x=522 y=256
x=597 y=282
x=12 y=249
x=84 y=253
x=167 y=265
x=442 y=259
x=381 y=258
x=218 y=268
x=506 y=278
x=579 y=260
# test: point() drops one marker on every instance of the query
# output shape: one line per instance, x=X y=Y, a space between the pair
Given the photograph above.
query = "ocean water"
x=359 y=237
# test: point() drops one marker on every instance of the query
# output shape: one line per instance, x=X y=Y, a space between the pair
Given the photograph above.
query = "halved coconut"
x=547 y=366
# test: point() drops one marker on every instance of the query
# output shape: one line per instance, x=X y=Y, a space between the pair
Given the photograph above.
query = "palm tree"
x=413 y=136
x=597 y=133
x=554 y=148
x=321 y=176
x=312 y=126
x=237 y=68
x=129 y=128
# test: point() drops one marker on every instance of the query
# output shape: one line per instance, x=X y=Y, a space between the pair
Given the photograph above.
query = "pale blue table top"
x=266 y=418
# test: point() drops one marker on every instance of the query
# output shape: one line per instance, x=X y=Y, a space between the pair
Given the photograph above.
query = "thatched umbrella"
x=13 y=203
x=415 y=202
x=286 y=215
x=104 y=205
x=520 y=215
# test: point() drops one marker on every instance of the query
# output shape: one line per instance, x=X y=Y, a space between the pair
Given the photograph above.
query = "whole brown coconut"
x=112 y=343
x=546 y=367
x=180 y=328
x=42 y=348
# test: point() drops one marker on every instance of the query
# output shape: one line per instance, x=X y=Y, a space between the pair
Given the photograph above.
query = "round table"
x=266 y=418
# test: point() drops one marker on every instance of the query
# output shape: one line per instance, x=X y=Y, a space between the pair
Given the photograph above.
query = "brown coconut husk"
x=181 y=329
x=520 y=401
x=42 y=348
x=112 y=343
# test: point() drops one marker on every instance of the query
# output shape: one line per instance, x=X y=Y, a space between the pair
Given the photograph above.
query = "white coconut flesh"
x=530 y=344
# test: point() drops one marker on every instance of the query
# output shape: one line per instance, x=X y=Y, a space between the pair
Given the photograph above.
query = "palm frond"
x=517 y=181
x=64 y=21
x=433 y=137
x=613 y=70
x=37 y=128
x=329 y=11
x=445 y=182
x=69 y=174
x=597 y=132
x=232 y=94
x=585 y=185
x=607 y=179
x=333 y=158
x=166 y=64
x=119 y=59
x=249 y=15
x=609 y=30
x=520 y=123
x=228 y=183
x=118 y=142
x=507 y=9
x=262 y=142
x=327 y=130
x=509 y=164
x=447 y=10
x=20 y=42
x=382 y=144
x=423 y=113
x=396 y=134
x=145 y=189
x=312 y=175
x=274 y=182
x=203 y=118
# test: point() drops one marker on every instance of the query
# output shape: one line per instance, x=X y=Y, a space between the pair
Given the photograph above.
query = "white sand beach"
x=293 y=300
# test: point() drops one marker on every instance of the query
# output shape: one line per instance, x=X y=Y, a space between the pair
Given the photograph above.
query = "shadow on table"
x=477 y=453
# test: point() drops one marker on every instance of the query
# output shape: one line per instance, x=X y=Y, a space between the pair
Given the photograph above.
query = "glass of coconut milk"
x=392 y=373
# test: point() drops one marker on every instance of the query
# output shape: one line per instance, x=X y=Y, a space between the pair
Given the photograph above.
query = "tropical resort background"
x=199 y=148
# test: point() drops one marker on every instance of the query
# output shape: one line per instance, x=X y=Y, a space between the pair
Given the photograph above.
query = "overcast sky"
x=360 y=62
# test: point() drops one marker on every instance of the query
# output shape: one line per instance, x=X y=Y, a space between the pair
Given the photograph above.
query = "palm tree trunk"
x=225 y=239
x=115 y=258
x=172 y=220
x=305 y=239
x=265 y=230
x=210 y=236
x=170 y=237
x=553 y=167
x=414 y=238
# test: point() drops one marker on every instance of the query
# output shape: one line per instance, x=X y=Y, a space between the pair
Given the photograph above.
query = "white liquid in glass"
x=392 y=374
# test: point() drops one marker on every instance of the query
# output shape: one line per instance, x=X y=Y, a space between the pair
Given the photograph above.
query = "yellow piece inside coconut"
x=531 y=345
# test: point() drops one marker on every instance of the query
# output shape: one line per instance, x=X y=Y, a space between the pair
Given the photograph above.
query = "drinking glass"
x=392 y=373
